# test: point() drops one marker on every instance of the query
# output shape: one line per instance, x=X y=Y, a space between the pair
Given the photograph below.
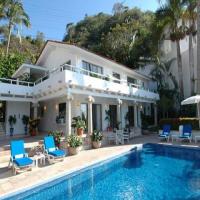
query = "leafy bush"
x=147 y=121
x=25 y=120
x=74 y=141
x=176 y=122
x=12 y=120
x=96 y=136
x=77 y=122
x=57 y=136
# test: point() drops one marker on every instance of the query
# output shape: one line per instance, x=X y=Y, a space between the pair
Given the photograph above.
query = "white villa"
x=69 y=81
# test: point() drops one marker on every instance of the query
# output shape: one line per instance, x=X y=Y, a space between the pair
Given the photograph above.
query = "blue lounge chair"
x=187 y=133
x=166 y=132
x=51 y=151
x=19 y=158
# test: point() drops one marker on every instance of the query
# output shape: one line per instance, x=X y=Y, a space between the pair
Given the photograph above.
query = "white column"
x=68 y=115
x=90 y=120
x=139 y=115
x=135 y=116
x=155 y=115
x=119 y=103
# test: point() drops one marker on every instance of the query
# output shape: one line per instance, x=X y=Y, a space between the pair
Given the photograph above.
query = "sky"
x=51 y=16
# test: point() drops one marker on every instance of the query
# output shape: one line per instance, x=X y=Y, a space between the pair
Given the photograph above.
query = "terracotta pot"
x=96 y=145
x=33 y=132
x=109 y=129
x=79 y=131
x=73 y=151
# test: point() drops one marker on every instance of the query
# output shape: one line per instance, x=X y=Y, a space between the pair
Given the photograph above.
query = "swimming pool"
x=153 y=173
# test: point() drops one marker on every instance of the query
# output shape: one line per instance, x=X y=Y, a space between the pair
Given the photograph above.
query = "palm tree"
x=170 y=14
x=161 y=73
x=198 y=47
x=190 y=16
x=16 y=15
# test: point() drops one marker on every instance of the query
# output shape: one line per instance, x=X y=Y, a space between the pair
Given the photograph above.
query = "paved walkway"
x=10 y=183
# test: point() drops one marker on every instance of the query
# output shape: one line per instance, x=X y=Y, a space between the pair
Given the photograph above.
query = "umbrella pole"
x=198 y=113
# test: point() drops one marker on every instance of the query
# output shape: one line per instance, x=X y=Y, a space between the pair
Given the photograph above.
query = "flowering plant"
x=57 y=136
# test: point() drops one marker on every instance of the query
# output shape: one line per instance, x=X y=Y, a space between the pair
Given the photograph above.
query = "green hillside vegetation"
x=128 y=36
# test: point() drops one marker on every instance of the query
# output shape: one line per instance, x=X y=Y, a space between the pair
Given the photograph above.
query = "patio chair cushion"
x=17 y=148
x=57 y=153
x=22 y=162
x=186 y=134
x=163 y=135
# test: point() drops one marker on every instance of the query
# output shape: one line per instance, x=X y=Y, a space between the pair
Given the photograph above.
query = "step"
x=5 y=159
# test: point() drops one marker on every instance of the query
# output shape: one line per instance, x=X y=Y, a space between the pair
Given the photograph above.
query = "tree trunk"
x=180 y=69
x=198 y=47
x=9 y=36
x=191 y=63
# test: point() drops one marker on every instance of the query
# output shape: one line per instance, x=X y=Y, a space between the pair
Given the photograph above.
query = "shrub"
x=74 y=141
x=176 y=122
x=57 y=136
x=96 y=136
x=147 y=121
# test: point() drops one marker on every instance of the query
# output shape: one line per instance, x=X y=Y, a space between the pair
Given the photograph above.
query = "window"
x=84 y=111
x=92 y=68
x=131 y=80
x=116 y=76
x=65 y=65
x=84 y=114
x=62 y=111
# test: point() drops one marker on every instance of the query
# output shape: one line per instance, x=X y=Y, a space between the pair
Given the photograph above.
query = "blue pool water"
x=157 y=172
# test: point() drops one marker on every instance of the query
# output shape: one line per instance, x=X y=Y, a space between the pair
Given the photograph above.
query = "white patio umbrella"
x=193 y=100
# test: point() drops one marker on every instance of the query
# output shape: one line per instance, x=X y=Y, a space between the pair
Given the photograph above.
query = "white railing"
x=76 y=70
x=16 y=82
x=95 y=75
x=98 y=75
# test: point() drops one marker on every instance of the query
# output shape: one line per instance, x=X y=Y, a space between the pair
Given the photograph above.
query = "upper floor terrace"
x=58 y=81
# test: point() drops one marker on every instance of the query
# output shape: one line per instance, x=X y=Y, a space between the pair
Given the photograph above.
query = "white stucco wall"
x=18 y=109
x=55 y=54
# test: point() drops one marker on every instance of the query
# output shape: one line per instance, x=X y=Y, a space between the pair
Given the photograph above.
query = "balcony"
x=14 y=88
x=76 y=78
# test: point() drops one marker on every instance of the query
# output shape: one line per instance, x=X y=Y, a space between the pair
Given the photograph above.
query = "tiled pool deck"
x=10 y=183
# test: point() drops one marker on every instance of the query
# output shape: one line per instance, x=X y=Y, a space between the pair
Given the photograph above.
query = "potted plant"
x=57 y=137
x=12 y=120
x=96 y=138
x=74 y=143
x=79 y=124
x=108 y=118
x=25 y=121
x=33 y=126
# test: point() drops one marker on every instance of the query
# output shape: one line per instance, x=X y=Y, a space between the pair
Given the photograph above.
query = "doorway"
x=131 y=116
x=2 y=111
x=113 y=116
x=97 y=116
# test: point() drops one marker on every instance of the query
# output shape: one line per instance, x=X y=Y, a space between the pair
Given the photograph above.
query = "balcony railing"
x=16 y=82
x=76 y=70
x=98 y=75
